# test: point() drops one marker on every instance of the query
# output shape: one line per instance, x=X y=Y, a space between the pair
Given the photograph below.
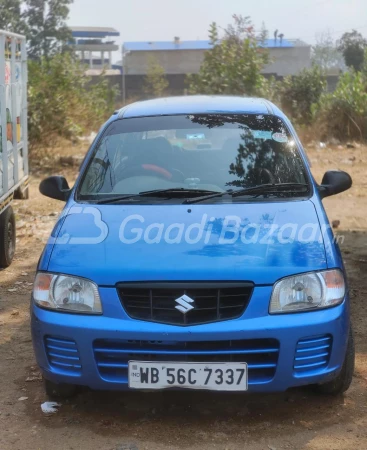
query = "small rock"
x=12 y=290
x=35 y=378
x=21 y=399
x=24 y=274
x=335 y=224
x=15 y=313
x=349 y=145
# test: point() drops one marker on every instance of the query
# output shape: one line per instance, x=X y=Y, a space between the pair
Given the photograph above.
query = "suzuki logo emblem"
x=184 y=304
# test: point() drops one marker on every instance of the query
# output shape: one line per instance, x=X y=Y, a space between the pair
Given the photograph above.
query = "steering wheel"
x=157 y=170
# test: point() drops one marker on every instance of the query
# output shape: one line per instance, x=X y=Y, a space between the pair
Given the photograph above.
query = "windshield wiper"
x=183 y=192
x=179 y=190
x=261 y=189
x=115 y=199
x=272 y=188
x=155 y=193
x=207 y=197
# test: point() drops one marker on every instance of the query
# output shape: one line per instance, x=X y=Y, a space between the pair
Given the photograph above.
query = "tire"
x=7 y=237
x=343 y=380
x=62 y=390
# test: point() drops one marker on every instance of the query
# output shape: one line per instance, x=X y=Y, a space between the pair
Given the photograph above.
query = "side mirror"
x=55 y=187
x=334 y=182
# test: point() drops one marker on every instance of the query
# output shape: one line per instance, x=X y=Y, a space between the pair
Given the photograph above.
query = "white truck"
x=13 y=137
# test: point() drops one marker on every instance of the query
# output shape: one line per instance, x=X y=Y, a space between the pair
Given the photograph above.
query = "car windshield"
x=202 y=153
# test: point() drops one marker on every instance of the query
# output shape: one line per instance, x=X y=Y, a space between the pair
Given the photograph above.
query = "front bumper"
x=310 y=347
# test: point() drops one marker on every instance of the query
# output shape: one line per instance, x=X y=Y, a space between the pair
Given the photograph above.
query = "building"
x=179 y=58
x=94 y=46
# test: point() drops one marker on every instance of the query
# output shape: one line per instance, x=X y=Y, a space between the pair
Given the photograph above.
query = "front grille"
x=63 y=355
x=212 y=302
x=261 y=355
x=312 y=354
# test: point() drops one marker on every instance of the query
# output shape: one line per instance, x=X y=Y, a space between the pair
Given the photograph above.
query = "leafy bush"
x=62 y=102
x=299 y=93
x=343 y=114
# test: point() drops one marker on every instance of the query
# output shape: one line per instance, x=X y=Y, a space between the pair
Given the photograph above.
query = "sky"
x=152 y=20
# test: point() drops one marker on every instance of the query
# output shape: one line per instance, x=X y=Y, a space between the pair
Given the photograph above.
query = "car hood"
x=259 y=242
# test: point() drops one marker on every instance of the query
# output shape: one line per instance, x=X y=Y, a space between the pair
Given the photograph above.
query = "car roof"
x=197 y=104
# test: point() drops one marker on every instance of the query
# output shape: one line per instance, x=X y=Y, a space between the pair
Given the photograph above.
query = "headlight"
x=65 y=293
x=308 y=291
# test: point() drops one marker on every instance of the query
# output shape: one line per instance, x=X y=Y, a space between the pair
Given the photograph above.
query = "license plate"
x=211 y=376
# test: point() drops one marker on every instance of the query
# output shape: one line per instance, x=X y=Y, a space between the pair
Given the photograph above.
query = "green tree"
x=352 y=45
x=47 y=29
x=300 y=93
x=155 y=83
x=233 y=65
x=11 y=18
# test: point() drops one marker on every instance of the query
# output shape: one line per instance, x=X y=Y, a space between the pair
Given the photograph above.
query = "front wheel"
x=7 y=237
x=342 y=382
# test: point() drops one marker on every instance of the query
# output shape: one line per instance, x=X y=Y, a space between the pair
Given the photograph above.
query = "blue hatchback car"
x=194 y=252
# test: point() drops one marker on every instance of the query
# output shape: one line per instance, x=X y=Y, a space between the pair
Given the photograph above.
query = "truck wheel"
x=61 y=390
x=342 y=382
x=7 y=237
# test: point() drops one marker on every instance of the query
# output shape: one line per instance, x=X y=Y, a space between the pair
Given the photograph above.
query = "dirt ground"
x=298 y=419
